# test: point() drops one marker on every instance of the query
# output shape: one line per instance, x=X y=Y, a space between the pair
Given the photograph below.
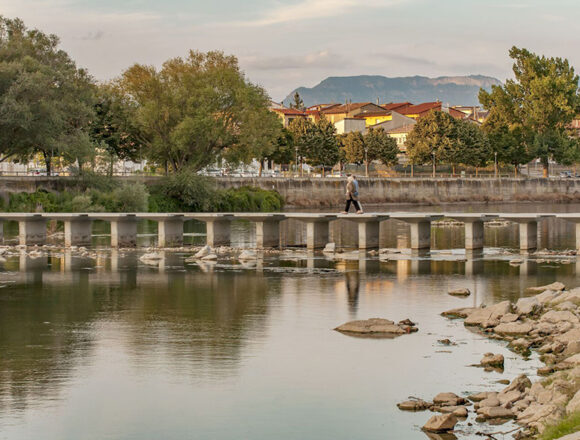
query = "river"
x=103 y=346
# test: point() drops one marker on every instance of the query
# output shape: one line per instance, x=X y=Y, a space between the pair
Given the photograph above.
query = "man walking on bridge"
x=352 y=195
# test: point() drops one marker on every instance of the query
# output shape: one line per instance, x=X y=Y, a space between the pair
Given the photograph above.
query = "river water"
x=108 y=347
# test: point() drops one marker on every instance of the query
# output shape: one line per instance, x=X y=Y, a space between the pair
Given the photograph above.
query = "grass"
x=567 y=425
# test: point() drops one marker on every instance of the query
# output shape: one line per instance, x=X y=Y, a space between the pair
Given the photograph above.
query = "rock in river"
x=492 y=360
x=557 y=286
x=442 y=423
x=460 y=292
x=376 y=327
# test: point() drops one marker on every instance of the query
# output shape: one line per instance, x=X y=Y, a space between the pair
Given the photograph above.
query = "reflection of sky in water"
x=113 y=348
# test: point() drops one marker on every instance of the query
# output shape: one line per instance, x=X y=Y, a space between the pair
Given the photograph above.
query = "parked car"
x=566 y=174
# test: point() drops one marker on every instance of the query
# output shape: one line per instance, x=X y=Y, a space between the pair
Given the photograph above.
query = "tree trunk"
x=412 y=170
x=545 y=169
x=260 y=169
x=515 y=171
x=48 y=162
x=453 y=170
x=366 y=168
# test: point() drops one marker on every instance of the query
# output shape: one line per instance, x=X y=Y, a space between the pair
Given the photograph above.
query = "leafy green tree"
x=46 y=102
x=283 y=152
x=433 y=139
x=353 y=147
x=111 y=129
x=536 y=107
x=198 y=108
x=381 y=146
x=474 y=148
x=298 y=104
x=325 y=146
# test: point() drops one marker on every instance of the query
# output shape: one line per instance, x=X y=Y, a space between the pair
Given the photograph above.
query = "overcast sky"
x=290 y=43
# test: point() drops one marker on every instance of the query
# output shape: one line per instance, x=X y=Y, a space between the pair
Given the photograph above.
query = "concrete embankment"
x=319 y=193
x=310 y=193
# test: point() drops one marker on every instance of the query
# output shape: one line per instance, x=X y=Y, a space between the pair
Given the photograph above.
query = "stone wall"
x=306 y=192
x=320 y=193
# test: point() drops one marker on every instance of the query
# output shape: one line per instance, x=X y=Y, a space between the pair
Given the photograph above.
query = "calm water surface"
x=111 y=348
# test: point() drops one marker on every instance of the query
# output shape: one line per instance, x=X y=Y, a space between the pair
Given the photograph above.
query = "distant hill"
x=454 y=90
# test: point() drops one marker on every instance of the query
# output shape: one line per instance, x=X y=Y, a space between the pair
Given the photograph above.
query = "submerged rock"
x=556 y=286
x=376 y=327
x=442 y=423
x=460 y=292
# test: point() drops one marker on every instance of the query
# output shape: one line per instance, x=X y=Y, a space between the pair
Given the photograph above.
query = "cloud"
x=93 y=36
x=314 y=9
x=405 y=59
x=317 y=60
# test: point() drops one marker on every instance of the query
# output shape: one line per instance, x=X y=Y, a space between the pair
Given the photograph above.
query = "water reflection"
x=253 y=340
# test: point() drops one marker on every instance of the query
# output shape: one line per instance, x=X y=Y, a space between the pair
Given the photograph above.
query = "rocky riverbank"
x=548 y=323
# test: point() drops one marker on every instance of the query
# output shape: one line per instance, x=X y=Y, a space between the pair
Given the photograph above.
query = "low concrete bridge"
x=77 y=227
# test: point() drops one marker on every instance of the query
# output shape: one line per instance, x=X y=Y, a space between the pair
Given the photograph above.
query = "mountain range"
x=453 y=90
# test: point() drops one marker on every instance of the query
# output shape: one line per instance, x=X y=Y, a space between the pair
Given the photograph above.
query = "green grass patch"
x=568 y=425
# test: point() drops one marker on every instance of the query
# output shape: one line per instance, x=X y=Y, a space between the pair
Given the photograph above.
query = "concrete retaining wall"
x=320 y=193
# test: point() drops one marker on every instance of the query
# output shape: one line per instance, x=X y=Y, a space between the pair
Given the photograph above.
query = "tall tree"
x=325 y=147
x=297 y=102
x=197 y=108
x=112 y=127
x=46 y=102
x=381 y=146
x=473 y=147
x=433 y=139
x=353 y=147
x=536 y=106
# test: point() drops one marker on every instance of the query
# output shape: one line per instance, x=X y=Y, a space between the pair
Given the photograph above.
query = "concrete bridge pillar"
x=528 y=228
x=317 y=228
x=124 y=232
x=368 y=229
x=420 y=228
x=267 y=228
x=218 y=232
x=170 y=232
x=32 y=230
x=77 y=231
x=473 y=235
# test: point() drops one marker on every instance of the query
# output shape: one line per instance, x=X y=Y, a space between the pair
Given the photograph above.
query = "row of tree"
x=196 y=109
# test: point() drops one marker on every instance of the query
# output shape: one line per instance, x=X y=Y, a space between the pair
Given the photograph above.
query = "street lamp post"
x=433 y=154
x=296 y=161
x=495 y=164
x=366 y=162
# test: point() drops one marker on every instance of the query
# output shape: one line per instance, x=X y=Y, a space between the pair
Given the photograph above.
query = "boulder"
x=567 y=305
x=495 y=412
x=460 y=411
x=414 y=405
x=462 y=312
x=206 y=250
x=492 y=360
x=448 y=399
x=568 y=337
x=509 y=397
x=520 y=344
x=441 y=423
x=572 y=296
x=572 y=348
x=555 y=317
x=510 y=317
x=556 y=286
x=513 y=329
x=330 y=248
x=482 y=396
x=520 y=383
x=574 y=404
x=375 y=327
x=547 y=296
x=527 y=306
x=495 y=312
x=537 y=412
x=573 y=360
x=460 y=292
x=490 y=402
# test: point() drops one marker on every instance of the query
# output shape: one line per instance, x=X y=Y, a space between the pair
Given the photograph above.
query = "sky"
x=285 y=44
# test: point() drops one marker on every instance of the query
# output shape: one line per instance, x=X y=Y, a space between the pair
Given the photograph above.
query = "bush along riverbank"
x=546 y=409
x=185 y=192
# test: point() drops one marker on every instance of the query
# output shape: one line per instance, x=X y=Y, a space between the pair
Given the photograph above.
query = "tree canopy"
x=46 y=102
x=198 y=108
x=529 y=115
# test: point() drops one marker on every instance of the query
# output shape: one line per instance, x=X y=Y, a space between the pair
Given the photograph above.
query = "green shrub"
x=130 y=197
x=567 y=425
